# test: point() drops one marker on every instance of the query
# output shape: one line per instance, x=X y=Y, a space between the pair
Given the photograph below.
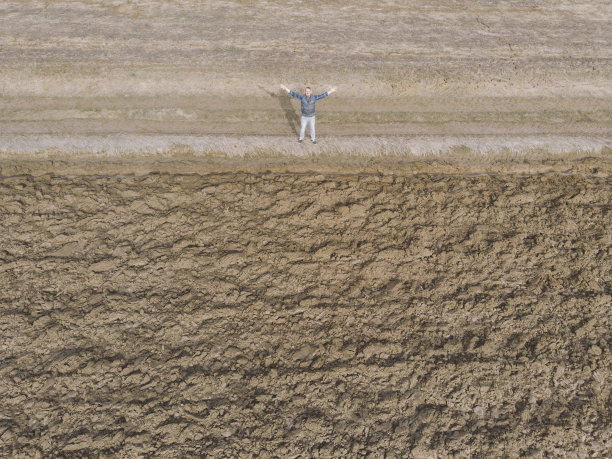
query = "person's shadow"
x=285 y=103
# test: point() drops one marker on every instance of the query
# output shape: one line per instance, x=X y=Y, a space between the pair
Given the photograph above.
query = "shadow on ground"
x=285 y=103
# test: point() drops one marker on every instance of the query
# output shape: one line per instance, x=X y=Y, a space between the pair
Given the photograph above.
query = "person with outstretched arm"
x=308 y=109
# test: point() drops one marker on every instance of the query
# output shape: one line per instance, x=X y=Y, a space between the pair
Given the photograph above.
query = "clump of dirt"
x=299 y=314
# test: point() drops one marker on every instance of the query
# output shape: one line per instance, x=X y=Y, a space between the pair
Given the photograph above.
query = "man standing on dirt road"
x=308 y=110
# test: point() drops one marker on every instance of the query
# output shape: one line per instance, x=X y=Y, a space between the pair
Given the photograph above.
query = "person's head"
x=308 y=91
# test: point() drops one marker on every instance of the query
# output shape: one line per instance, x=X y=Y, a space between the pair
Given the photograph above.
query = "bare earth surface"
x=192 y=68
x=300 y=314
x=180 y=278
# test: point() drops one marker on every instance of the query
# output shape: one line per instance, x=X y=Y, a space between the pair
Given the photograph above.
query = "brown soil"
x=180 y=278
x=269 y=314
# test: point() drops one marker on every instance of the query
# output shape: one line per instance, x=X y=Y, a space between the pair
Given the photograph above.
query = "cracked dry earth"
x=296 y=315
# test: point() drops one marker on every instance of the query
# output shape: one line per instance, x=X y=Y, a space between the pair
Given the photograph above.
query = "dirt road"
x=199 y=68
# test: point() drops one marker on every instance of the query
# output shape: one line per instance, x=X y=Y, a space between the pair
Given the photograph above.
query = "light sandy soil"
x=178 y=277
x=518 y=68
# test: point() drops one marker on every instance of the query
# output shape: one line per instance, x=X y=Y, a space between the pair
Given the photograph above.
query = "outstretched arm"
x=325 y=94
x=290 y=92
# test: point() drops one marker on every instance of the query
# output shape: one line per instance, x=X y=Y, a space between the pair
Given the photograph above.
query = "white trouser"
x=310 y=120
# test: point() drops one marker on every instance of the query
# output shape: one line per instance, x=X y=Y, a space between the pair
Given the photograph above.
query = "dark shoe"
x=314 y=141
x=299 y=140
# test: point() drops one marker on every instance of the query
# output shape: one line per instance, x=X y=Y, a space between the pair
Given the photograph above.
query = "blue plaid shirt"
x=308 y=103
